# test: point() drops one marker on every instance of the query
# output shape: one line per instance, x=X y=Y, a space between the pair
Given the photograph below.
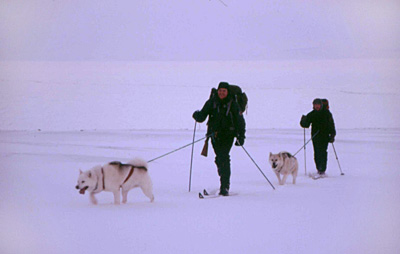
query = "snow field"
x=41 y=211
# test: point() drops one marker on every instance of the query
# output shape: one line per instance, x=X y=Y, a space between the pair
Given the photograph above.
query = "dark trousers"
x=222 y=148
x=320 y=153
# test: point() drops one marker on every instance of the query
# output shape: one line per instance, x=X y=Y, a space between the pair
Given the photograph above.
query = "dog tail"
x=139 y=163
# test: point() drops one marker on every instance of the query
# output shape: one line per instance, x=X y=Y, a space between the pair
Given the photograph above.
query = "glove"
x=304 y=122
x=239 y=141
x=331 y=138
x=196 y=115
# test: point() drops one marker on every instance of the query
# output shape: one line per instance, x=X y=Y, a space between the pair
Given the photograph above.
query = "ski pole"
x=257 y=166
x=306 y=143
x=305 y=157
x=341 y=172
x=191 y=159
x=177 y=149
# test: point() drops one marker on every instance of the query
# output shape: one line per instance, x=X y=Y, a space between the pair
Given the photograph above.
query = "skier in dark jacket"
x=224 y=124
x=323 y=127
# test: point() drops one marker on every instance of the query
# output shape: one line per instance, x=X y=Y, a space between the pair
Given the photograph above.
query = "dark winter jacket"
x=321 y=121
x=224 y=117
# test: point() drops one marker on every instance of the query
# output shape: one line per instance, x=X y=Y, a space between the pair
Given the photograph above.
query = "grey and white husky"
x=284 y=164
x=116 y=177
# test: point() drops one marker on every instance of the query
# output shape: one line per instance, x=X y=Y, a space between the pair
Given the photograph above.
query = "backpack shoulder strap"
x=229 y=107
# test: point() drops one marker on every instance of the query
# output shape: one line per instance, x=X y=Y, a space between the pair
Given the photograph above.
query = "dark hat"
x=223 y=85
x=317 y=101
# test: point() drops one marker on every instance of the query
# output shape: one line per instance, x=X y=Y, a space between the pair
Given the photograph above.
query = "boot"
x=224 y=191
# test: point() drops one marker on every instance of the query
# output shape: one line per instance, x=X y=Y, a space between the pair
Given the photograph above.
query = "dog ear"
x=90 y=174
x=80 y=172
x=270 y=154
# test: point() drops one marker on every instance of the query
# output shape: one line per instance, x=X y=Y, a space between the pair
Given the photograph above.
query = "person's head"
x=317 y=104
x=223 y=90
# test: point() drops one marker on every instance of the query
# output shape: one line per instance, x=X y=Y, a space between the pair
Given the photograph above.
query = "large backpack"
x=325 y=104
x=237 y=94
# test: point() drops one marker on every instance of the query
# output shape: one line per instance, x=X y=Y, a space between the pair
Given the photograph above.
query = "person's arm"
x=201 y=115
x=332 y=129
x=240 y=124
x=305 y=121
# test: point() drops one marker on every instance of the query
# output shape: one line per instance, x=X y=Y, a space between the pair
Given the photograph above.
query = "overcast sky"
x=195 y=30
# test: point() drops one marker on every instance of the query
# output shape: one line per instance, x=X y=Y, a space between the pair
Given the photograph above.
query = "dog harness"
x=279 y=170
x=126 y=179
x=131 y=171
x=129 y=175
x=97 y=183
x=104 y=184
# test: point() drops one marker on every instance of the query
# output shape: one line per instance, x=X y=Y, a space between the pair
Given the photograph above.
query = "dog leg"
x=117 y=197
x=294 y=175
x=93 y=199
x=148 y=191
x=279 y=177
x=124 y=196
x=284 y=179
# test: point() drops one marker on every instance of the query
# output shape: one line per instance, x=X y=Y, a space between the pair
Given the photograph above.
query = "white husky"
x=115 y=176
x=284 y=163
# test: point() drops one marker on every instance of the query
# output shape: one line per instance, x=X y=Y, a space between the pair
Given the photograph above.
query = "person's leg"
x=320 y=154
x=324 y=155
x=222 y=149
x=317 y=155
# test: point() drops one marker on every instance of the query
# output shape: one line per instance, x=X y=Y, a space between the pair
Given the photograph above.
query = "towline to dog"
x=306 y=143
x=180 y=148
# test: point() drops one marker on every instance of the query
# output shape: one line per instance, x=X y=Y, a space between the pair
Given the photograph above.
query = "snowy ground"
x=41 y=212
x=59 y=117
x=163 y=95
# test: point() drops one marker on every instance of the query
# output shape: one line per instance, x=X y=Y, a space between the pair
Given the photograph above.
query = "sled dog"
x=284 y=164
x=116 y=177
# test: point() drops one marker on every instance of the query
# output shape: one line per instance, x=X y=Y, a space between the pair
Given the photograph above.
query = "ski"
x=202 y=196
x=205 y=194
x=316 y=176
